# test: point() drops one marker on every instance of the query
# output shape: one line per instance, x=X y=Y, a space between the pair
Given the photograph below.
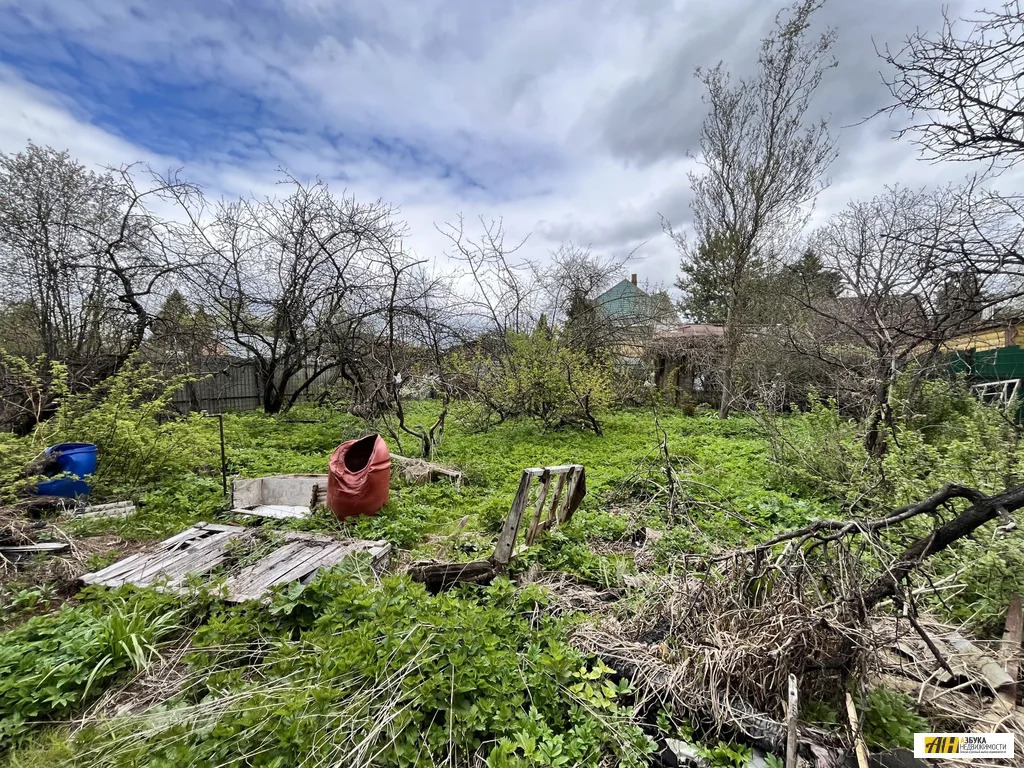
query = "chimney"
x=632 y=279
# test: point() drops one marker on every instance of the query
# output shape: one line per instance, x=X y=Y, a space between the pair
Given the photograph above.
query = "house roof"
x=690 y=331
x=679 y=336
x=620 y=300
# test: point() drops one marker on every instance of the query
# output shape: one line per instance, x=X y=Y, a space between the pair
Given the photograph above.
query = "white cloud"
x=569 y=120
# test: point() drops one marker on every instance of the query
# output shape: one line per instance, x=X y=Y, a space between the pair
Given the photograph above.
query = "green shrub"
x=141 y=441
x=890 y=720
x=538 y=376
x=50 y=666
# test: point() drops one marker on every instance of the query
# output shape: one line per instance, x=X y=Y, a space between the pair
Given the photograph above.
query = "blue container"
x=77 y=459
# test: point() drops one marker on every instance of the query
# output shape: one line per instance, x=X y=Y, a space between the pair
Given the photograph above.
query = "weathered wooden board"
x=25 y=551
x=196 y=550
x=275 y=511
x=199 y=550
x=299 y=560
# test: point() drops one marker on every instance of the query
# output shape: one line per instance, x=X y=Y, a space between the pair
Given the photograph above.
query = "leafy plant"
x=350 y=673
x=52 y=665
x=890 y=720
x=538 y=376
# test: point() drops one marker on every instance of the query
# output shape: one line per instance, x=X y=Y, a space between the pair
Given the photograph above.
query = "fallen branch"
x=983 y=510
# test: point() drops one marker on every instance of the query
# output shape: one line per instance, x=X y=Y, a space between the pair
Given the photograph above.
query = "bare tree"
x=300 y=284
x=763 y=158
x=422 y=322
x=962 y=87
x=907 y=289
x=83 y=254
x=500 y=293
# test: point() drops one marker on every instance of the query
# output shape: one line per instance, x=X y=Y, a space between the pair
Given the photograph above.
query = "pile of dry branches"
x=717 y=645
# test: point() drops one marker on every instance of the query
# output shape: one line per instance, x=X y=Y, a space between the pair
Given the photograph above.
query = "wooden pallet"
x=196 y=550
x=199 y=550
x=299 y=559
x=570 y=486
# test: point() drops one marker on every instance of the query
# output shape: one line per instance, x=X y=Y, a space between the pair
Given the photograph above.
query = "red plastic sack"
x=359 y=477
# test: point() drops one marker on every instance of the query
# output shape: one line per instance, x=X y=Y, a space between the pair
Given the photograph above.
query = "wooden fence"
x=228 y=384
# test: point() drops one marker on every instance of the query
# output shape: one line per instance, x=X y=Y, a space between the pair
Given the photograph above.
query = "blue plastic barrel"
x=77 y=459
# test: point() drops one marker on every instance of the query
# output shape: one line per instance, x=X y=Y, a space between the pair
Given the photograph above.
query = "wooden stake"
x=858 y=737
x=1011 y=649
x=792 y=712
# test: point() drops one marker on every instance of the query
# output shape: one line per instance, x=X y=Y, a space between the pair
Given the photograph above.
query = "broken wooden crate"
x=278 y=496
x=549 y=494
x=206 y=547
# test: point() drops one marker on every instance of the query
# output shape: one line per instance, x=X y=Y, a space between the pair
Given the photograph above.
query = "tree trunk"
x=728 y=362
x=874 y=437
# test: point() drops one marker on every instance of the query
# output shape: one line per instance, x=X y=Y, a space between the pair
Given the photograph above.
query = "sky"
x=574 y=120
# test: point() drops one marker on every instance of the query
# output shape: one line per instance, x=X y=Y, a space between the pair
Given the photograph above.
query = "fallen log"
x=438 y=576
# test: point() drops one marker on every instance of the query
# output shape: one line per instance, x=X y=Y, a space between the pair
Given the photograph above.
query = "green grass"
x=304 y=660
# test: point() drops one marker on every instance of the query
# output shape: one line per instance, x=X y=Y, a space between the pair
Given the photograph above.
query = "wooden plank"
x=553 y=510
x=509 y=531
x=25 y=551
x=575 y=493
x=164 y=564
x=250 y=582
x=308 y=561
x=44 y=546
x=142 y=568
x=275 y=511
x=199 y=560
x=542 y=496
x=561 y=469
x=792 y=710
x=380 y=557
x=858 y=738
x=101 y=576
x=219 y=528
x=562 y=515
x=129 y=563
x=296 y=562
x=1011 y=649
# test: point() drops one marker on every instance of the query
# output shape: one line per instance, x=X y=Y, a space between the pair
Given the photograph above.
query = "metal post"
x=223 y=457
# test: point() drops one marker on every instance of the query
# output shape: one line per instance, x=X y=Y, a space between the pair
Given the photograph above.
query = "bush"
x=141 y=440
x=538 y=376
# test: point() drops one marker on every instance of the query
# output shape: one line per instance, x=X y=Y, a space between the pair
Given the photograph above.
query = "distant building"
x=626 y=317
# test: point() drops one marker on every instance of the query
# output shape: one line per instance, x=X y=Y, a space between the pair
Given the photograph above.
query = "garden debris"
x=359 y=477
x=26 y=551
x=278 y=496
x=193 y=552
x=570 y=487
x=116 y=509
x=299 y=560
x=964 y=663
x=1010 y=649
x=204 y=548
x=420 y=472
